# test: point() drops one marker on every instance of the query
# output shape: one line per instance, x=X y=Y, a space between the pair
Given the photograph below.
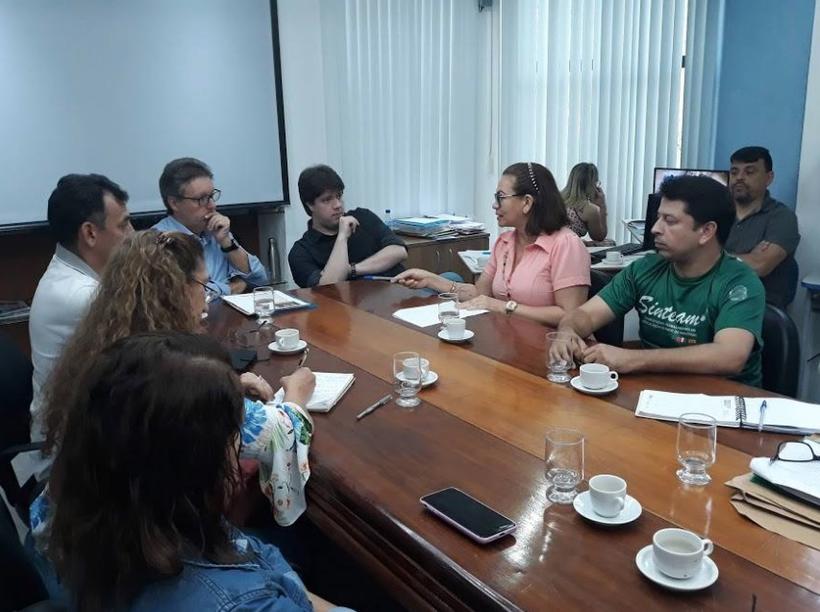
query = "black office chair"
x=15 y=389
x=612 y=333
x=781 y=352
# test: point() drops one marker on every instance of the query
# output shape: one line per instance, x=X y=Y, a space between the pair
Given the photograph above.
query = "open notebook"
x=782 y=414
x=243 y=302
x=329 y=390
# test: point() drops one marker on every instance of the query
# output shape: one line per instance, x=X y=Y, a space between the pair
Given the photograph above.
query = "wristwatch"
x=232 y=247
x=510 y=307
x=352 y=270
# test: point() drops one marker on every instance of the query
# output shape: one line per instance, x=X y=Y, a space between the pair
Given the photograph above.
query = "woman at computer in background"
x=540 y=269
x=586 y=202
x=146 y=465
x=157 y=282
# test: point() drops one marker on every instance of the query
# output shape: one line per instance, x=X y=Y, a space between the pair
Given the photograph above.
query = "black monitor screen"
x=653 y=202
x=661 y=174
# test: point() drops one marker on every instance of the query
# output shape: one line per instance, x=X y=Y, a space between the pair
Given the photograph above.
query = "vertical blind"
x=400 y=89
x=596 y=81
x=426 y=101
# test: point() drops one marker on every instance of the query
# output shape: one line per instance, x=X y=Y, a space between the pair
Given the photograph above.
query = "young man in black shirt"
x=340 y=245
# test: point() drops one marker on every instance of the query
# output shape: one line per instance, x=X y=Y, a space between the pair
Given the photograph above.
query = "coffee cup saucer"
x=300 y=346
x=579 y=386
x=430 y=379
x=706 y=576
x=468 y=334
x=583 y=506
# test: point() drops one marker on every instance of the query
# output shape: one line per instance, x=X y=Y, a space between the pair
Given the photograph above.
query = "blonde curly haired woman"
x=586 y=202
x=157 y=282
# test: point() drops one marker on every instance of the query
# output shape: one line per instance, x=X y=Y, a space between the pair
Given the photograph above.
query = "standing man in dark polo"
x=764 y=234
x=340 y=245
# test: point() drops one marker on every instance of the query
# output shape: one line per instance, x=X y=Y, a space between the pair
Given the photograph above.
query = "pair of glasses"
x=500 y=195
x=210 y=293
x=795 y=451
x=204 y=200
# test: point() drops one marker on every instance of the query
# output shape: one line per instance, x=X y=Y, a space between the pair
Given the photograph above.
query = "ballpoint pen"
x=372 y=408
x=304 y=357
x=763 y=407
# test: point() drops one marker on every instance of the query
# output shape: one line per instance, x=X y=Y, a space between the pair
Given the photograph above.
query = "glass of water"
x=263 y=304
x=558 y=369
x=448 y=307
x=407 y=376
x=564 y=464
x=697 y=447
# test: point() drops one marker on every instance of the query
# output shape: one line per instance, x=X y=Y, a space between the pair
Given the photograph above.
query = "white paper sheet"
x=243 y=302
x=426 y=316
x=801 y=478
x=330 y=387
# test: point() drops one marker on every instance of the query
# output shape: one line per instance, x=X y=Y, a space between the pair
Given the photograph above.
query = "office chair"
x=612 y=333
x=781 y=352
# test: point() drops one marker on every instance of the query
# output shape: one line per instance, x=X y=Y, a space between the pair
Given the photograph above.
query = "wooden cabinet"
x=442 y=255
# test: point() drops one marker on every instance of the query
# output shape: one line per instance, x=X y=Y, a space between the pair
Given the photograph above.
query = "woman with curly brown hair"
x=156 y=428
x=157 y=282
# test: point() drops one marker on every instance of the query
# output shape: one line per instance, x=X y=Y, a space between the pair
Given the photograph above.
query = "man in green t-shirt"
x=700 y=309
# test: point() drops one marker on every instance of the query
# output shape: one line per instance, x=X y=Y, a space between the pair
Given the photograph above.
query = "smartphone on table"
x=473 y=518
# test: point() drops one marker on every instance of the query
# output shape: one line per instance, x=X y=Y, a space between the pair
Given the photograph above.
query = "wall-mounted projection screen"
x=120 y=88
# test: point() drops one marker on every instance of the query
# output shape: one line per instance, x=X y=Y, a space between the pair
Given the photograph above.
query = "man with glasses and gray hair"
x=187 y=190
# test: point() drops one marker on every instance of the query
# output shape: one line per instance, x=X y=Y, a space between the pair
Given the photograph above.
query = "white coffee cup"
x=411 y=368
x=597 y=375
x=614 y=257
x=287 y=339
x=455 y=328
x=679 y=553
x=607 y=494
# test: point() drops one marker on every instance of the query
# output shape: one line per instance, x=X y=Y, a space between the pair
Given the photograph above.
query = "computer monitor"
x=653 y=203
x=661 y=174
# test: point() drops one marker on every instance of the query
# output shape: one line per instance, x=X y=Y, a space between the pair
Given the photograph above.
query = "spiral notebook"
x=330 y=387
x=781 y=415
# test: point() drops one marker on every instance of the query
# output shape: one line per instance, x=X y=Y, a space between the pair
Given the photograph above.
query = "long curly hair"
x=146 y=465
x=581 y=185
x=144 y=288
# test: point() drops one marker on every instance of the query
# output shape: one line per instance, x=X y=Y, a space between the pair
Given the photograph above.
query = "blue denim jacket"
x=264 y=583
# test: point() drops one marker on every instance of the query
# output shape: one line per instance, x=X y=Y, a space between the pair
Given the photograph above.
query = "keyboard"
x=625 y=249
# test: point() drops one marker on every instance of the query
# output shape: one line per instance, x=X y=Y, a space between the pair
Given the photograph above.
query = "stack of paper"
x=776 y=511
x=243 y=302
x=421 y=226
x=425 y=316
x=800 y=478
x=329 y=390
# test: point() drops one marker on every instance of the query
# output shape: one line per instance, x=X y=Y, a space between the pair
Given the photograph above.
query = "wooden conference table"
x=481 y=428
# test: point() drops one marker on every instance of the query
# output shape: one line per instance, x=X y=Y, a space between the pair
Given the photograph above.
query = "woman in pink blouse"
x=540 y=269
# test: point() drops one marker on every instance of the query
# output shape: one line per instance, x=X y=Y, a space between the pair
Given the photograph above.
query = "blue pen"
x=763 y=407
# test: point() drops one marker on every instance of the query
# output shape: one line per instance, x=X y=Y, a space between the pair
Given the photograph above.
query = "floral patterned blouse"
x=278 y=436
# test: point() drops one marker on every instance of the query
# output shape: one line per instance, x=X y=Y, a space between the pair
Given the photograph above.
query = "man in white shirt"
x=88 y=218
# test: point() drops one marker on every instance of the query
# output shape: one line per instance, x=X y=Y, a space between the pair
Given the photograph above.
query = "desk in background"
x=442 y=255
x=481 y=428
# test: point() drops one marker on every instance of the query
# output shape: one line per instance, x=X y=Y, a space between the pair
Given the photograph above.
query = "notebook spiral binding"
x=740 y=409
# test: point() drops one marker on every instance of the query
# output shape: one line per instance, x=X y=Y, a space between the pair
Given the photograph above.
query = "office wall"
x=763 y=84
x=808 y=215
x=304 y=100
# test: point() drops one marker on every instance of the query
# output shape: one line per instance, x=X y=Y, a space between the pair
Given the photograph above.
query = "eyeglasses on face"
x=500 y=195
x=796 y=451
x=204 y=200
x=210 y=293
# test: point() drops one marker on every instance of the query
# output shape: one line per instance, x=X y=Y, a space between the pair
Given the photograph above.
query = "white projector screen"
x=120 y=88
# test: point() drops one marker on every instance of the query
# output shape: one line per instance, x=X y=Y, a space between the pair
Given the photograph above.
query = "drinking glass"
x=448 y=307
x=558 y=368
x=697 y=446
x=407 y=387
x=263 y=303
x=564 y=464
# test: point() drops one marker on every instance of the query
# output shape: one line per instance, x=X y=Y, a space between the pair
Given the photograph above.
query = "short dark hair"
x=177 y=174
x=152 y=427
x=706 y=200
x=76 y=199
x=314 y=181
x=549 y=213
x=749 y=155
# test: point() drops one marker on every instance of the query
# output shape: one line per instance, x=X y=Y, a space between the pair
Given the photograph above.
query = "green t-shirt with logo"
x=677 y=311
